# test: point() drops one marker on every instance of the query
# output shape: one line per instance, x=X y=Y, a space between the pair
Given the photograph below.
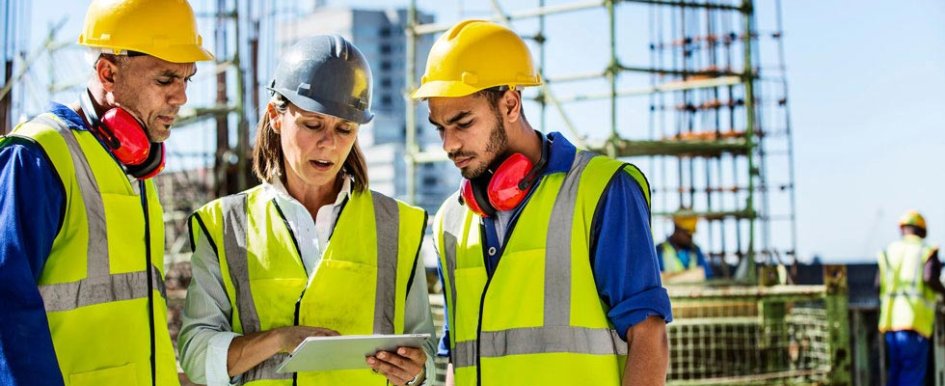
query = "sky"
x=866 y=94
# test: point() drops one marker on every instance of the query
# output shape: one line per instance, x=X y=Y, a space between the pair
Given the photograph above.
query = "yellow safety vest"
x=97 y=285
x=907 y=303
x=539 y=319
x=376 y=240
x=671 y=262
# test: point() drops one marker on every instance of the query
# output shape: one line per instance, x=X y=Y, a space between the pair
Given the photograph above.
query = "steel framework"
x=710 y=139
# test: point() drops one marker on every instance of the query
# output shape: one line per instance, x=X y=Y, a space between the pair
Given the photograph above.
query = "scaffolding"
x=711 y=141
x=679 y=88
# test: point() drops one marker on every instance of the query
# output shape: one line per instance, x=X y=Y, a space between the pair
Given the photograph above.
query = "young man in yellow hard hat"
x=81 y=229
x=909 y=287
x=547 y=258
x=679 y=256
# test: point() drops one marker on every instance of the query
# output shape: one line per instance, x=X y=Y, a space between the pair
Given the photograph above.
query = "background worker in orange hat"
x=909 y=271
x=547 y=259
x=679 y=256
x=81 y=228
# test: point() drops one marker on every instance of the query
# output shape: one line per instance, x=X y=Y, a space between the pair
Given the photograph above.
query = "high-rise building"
x=380 y=36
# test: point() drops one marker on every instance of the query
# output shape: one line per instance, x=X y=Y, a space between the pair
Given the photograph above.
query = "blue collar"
x=562 y=154
x=72 y=119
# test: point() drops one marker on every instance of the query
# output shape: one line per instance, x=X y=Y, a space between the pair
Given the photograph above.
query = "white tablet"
x=320 y=353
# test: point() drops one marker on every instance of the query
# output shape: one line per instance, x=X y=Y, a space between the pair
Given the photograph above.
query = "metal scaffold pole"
x=750 y=127
x=411 y=114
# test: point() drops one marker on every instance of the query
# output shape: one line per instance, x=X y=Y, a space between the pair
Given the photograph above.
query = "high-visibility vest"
x=359 y=287
x=102 y=284
x=906 y=302
x=671 y=262
x=539 y=319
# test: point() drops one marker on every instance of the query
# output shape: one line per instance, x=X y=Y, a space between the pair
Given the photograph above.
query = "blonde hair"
x=268 y=157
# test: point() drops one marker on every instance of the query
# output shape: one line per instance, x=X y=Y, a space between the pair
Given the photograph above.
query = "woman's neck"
x=313 y=197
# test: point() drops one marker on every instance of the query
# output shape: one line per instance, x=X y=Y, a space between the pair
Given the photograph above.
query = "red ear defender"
x=502 y=190
x=125 y=136
x=126 y=139
x=506 y=189
x=468 y=198
x=151 y=166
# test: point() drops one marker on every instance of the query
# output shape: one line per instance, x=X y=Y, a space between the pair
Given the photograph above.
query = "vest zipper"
x=482 y=303
x=143 y=193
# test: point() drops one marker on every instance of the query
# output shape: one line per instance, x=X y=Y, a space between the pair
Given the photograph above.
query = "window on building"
x=386 y=100
x=385 y=65
x=384 y=32
x=385 y=49
x=386 y=82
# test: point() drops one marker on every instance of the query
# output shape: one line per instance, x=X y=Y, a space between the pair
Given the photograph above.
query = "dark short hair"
x=493 y=95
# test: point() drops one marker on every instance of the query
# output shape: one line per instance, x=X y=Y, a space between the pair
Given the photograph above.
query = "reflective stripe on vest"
x=386 y=218
x=555 y=335
x=906 y=301
x=99 y=286
x=105 y=324
x=540 y=340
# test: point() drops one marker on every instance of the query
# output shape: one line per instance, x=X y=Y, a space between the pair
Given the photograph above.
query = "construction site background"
x=695 y=93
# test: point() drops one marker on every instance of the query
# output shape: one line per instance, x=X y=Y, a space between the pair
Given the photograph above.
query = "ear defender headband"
x=507 y=186
x=126 y=139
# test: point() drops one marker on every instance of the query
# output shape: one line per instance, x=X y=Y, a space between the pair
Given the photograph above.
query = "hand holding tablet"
x=320 y=353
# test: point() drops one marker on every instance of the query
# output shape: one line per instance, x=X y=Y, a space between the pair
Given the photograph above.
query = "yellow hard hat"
x=475 y=55
x=165 y=29
x=912 y=218
x=686 y=220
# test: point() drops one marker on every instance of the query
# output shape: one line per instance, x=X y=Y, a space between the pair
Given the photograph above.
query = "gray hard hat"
x=328 y=75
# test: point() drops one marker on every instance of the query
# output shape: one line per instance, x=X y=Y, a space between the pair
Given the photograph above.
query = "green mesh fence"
x=751 y=335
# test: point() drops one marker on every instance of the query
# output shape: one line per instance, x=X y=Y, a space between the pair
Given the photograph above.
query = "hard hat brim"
x=335 y=110
x=444 y=88
x=186 y=54
x=183 y=54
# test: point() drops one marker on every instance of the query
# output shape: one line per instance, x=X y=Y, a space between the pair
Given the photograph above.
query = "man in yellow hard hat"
x=546 y=254
x=909 y=288
x=81 y=228
x=679 y=256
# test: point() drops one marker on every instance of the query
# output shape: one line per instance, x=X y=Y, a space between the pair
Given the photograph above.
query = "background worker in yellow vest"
x=909 y=287
x=81 y=228
x=312 y=251
x=547 y=259
x=679 y=256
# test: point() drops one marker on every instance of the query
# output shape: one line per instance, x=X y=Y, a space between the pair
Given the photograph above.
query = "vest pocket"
x=120 y=375
x=342 y=297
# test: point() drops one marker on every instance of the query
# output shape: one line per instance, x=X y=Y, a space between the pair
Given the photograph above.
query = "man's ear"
x=105 y=69
x=511 y=105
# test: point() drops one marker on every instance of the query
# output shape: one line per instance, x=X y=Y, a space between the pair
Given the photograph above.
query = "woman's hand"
x=291 y=336
x=247 y=351
x=401 y=367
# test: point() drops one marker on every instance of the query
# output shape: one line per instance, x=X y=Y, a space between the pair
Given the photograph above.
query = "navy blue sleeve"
x=31 y=204
x=625 y=266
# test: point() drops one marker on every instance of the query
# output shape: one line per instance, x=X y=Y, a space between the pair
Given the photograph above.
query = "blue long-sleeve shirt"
x=623 y=256
x=32 y=201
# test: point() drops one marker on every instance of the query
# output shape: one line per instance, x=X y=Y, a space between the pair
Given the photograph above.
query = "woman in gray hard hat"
x=311 y=251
